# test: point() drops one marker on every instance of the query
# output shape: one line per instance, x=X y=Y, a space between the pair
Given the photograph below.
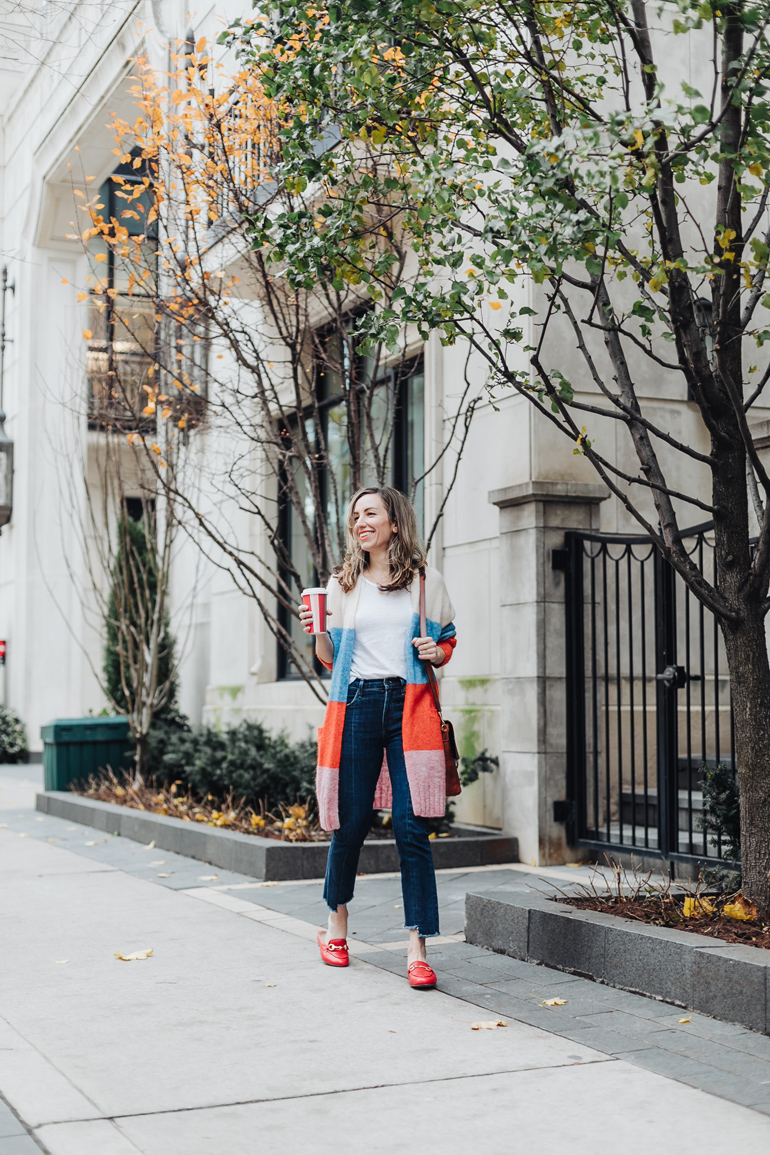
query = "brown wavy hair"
x=406 y=553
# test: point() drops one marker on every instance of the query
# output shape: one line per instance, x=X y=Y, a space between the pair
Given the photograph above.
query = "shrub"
x=722 y=809
x=13 y=736
x=245 y=759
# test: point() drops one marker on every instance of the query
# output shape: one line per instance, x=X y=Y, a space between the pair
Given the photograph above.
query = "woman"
x=380 y=745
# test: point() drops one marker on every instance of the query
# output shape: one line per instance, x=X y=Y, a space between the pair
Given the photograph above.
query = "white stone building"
x=63 y=70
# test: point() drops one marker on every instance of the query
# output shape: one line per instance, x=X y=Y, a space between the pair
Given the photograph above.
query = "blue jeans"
x=373 y=725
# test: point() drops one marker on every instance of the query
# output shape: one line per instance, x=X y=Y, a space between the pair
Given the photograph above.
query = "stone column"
x=533 y=519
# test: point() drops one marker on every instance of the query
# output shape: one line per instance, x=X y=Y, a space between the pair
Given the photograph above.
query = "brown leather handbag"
x=451 y=753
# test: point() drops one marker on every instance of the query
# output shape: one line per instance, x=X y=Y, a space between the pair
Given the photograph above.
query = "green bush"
x=13 y=736
x=245 y=759
x=722 y=809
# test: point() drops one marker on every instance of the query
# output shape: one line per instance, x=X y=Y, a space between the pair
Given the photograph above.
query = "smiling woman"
x=381 y=743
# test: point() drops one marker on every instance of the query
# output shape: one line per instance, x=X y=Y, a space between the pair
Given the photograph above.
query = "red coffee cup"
x=315 y=600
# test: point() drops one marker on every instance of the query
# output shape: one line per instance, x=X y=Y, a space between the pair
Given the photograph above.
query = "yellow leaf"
x=554 y=1003
x=137 y=956
x=64 y=281
x=257 y=821
x=697 y=906
x=270 y=984
x=120 y=791
x=494 y=305
x=743 y=910
x=755 y=169
x=87 y=334
x=209 y=877
x=100 y=257
x=61 y=961
x=489 y=1025
x=685 y=1020
x=155 y=449
x=82 y=296
x=432 y=834
x=166 y=411
x=638 y=137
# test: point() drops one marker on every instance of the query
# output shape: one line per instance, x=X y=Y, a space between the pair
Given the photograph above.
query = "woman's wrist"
x=441 y=657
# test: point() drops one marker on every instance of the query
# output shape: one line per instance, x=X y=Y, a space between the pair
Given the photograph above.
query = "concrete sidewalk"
x=233 y=1038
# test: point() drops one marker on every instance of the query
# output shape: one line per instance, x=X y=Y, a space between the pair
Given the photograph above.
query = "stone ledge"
x=729 y=983
x=264 y=858
x=570 y=491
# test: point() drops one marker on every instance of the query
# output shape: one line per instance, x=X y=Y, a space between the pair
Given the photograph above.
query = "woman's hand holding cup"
x=313 y=612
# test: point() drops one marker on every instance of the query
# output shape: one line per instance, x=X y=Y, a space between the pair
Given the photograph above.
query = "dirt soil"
x=670 y=912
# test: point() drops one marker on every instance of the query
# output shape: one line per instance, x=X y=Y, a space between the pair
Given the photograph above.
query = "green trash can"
x=73 y=748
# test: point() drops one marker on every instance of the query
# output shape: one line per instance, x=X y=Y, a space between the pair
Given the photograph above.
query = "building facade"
x=519 y=488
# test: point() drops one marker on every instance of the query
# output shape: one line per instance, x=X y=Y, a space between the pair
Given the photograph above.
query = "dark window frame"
x=397 y=378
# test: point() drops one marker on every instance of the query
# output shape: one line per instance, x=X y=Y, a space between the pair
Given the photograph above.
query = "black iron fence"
x=648 y=697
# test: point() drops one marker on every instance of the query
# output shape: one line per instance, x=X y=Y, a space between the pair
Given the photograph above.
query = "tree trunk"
x=142 y=750
x=747 y=659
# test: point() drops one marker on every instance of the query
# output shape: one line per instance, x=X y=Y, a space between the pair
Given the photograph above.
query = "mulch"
x=297 y=822
x=669 y=912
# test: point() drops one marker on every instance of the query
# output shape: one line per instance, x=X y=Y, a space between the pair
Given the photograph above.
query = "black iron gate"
x=648 y=697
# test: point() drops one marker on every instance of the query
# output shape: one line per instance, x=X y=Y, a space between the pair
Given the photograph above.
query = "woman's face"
x=371 y=523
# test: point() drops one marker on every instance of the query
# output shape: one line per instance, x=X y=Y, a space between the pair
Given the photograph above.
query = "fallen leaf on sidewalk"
x=39 y=820
x=208 y=877
x=150 y=845
x=137 y=956
x=52 y=839
x=95 y=842
x=164 y=875
x=271 y=984
x=61 y=961
x=159 y=862
x=23 y=836
x=554 y=1003
x=267 y=884
x=489 y=1025
x=685 y=1020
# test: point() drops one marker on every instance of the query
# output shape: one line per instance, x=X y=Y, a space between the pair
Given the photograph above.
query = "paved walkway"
x=233 y=1038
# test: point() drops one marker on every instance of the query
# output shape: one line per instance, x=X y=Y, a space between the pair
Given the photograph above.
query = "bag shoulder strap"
x=429 y=665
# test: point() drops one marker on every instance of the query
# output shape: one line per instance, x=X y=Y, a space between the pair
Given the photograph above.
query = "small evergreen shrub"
x=722 y=809
x=245 y=759
x=13 y=736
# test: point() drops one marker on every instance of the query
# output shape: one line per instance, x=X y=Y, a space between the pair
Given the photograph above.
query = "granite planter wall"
x=730 y=983
x=264 y=858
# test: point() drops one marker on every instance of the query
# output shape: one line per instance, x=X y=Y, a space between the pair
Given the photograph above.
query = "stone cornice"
x=590 y=493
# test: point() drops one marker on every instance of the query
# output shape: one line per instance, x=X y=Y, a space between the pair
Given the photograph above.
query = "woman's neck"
x=378 y=569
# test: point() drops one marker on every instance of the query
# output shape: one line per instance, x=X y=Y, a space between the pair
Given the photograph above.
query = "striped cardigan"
x=423 y=747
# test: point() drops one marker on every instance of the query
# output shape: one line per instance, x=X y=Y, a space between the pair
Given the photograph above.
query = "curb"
x=728 y=982
x=264 y=858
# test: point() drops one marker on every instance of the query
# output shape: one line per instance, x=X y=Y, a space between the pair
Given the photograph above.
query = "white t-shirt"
x=383 y=626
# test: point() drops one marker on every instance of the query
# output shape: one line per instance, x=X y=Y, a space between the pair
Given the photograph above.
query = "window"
x=122 y=350
x=129 y=341
x=391 y=433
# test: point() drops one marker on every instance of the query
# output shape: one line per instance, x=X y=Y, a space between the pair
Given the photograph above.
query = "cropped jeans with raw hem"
x=372 y=725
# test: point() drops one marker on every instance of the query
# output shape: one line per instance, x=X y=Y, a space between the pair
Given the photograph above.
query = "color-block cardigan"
x=423 y=748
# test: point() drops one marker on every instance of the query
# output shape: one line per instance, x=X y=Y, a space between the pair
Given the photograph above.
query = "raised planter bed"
x=730 y=983
x=264 y=858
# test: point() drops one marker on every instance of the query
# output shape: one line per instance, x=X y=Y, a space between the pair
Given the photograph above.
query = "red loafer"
x=421 y=975
x=335 y=952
